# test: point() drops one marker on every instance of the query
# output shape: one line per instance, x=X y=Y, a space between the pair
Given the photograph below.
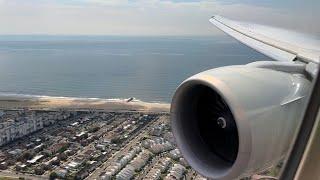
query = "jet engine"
x=233 y=121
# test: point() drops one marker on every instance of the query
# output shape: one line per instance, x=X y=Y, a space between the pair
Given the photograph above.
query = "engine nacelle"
x=232 y=121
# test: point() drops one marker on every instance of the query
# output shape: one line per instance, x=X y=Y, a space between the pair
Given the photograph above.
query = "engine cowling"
x=232 y=121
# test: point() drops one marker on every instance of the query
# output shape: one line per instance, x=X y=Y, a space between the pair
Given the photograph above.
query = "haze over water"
x=147 y=68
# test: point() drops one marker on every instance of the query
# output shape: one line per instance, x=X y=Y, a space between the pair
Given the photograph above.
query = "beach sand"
x=54 y=103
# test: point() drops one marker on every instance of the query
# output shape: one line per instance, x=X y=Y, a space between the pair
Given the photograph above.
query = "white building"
x=176 y=172
x=16 y=124
x=35 y=159
x=126 y=173
x=115 y=167
x=12 y=129
x=160 y=167
x=140 y=161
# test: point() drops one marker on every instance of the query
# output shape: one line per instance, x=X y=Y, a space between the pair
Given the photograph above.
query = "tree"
x=115 y=140
x=25 y=156
x=53 y=175
x=56 y=163
x=62 y=149
x=62 y=157
x=39 y=170
x=94 y=129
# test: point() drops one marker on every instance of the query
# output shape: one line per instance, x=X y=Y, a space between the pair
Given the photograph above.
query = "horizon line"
x=128 y=35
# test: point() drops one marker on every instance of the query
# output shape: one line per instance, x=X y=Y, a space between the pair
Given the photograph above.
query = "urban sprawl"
x=42 y=144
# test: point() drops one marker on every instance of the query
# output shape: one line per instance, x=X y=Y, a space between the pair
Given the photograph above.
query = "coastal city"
x=61 y=144
x=89 y=145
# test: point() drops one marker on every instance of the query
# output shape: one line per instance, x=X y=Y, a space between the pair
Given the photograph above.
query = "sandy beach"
x=54 y=103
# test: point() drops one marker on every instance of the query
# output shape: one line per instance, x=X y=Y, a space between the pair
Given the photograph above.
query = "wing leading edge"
x=276 y=43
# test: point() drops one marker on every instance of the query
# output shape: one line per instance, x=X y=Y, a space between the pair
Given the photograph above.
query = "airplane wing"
x=275 y=43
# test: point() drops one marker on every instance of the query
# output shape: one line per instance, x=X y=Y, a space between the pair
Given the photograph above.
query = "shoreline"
x=73 y=103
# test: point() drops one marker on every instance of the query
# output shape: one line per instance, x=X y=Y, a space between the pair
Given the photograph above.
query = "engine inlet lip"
x=244 y=134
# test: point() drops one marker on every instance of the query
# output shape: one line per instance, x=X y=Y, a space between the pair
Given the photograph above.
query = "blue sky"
x=150 y=17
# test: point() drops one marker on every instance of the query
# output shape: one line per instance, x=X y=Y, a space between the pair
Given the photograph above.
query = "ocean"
x=108 y=67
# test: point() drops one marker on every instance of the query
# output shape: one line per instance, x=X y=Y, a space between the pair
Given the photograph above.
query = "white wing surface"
x=279 y=44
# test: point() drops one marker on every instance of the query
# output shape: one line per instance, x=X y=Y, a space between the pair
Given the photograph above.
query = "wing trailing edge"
x=276 y=43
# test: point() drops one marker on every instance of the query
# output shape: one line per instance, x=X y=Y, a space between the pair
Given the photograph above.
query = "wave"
x=166 y=54
x=43 y=97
